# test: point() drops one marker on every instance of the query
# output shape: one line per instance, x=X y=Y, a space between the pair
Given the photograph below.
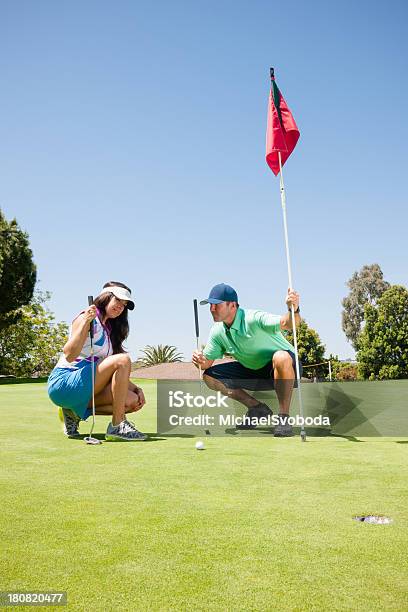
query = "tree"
x=310 y=349
x=160 y=354
x=344 y=370
x=137 y=364
x=366 y=287
x=31 y=346
x=383 y=343
x=17 y=271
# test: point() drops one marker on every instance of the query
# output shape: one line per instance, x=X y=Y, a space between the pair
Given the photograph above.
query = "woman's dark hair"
x=119 y=326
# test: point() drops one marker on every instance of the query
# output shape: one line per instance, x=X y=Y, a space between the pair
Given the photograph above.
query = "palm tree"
x=160 y=354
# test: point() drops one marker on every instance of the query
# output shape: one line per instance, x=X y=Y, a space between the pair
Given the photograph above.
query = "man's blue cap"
x=221 y=293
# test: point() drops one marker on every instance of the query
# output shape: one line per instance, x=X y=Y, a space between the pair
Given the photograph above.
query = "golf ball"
x=199 y=445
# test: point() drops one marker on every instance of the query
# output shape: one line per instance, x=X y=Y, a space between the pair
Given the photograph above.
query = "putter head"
x=91 y=440
x=303 y=436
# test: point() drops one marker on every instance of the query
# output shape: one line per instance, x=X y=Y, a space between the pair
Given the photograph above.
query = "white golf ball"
x=199 y=445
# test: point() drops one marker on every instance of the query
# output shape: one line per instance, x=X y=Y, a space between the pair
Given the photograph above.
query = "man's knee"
x=282 y=360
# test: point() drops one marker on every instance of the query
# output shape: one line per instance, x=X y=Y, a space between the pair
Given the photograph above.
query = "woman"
x=70 y=383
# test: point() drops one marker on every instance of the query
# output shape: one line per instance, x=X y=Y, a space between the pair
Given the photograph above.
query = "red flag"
x=282 y=133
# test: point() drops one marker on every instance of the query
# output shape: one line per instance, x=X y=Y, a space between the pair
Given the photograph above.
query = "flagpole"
x=292 y=310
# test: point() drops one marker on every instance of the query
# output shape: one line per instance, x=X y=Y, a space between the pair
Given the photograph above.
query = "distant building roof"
x=180 y=370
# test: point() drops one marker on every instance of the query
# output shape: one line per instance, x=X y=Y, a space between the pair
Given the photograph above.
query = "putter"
x=197 y=330
x=90 y=439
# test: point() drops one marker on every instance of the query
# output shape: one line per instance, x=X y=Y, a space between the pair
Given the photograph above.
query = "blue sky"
x=132 y=144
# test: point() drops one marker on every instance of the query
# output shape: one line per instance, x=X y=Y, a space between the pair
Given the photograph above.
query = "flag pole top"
x=272 y=73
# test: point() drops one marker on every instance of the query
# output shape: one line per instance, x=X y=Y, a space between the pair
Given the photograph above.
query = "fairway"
x=247 y=524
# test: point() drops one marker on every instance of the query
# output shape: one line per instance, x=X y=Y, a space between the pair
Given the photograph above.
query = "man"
x=264 y=358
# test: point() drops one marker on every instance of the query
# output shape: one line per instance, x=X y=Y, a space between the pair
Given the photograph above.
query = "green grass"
x=248 y=524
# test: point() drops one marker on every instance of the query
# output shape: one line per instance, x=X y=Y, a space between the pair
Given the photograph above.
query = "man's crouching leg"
x=284 y=378
x=255 y=408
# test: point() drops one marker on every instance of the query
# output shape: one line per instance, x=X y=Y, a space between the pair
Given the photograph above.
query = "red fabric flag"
x=282 y=133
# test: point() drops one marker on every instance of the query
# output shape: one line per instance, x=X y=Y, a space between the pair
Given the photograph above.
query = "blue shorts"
x=72 y=389
x=236 y=376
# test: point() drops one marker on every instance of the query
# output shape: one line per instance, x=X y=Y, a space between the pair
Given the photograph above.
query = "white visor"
x=121 y=294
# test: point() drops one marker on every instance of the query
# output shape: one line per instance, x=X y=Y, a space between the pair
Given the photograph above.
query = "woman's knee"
x=122 y=360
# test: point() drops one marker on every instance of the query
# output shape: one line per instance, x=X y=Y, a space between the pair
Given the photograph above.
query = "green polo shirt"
x=252 y=339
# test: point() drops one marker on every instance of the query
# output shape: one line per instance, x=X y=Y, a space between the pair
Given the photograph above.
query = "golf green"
x=250 y=523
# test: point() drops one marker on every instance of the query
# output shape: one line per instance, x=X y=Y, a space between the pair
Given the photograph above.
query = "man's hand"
x=200 y=361
x=292 y=299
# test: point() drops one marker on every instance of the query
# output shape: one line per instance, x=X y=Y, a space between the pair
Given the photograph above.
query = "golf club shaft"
x=91 y=335
x=197 y=330
x=199 y=367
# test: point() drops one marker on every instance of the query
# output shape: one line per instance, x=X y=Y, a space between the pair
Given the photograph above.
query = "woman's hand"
x=80 y=330
x=141 y=398
x=90 y=313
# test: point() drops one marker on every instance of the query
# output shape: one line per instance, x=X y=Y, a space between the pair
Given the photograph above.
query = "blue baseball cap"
x=221 y=293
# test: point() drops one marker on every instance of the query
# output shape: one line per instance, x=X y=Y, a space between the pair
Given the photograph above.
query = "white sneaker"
x=124 y=432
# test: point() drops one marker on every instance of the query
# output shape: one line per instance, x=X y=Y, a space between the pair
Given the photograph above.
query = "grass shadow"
x=327 y=433
x=21 y=381
x=310 y=432
x=165 y=436
x=153 y=437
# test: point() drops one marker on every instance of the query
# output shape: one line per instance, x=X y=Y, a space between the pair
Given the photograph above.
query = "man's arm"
x=292 y=299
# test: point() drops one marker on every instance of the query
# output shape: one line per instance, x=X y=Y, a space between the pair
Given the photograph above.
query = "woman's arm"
x=80 y=330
